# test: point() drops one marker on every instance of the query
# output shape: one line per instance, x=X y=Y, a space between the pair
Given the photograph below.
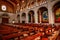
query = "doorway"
x=5 y=20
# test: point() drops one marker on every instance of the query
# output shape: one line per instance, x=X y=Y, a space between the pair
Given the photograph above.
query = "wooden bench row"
x=22 y=31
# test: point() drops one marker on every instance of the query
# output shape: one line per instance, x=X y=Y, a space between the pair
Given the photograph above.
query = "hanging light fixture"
x=21 y=9
x=23 y=1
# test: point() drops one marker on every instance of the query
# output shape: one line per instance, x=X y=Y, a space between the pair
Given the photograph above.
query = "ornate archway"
x=43 y=15
x=18 y=17
x=56 y=11
x=31 y=16
x=23 y=17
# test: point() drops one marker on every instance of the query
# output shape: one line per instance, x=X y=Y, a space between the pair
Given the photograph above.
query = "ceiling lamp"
x=3 y=7
x=40 y=3
x=37 y=4
x=21 y=9
x=23 y=1
x=29 y=8
x=45 y=1
x=18 y=4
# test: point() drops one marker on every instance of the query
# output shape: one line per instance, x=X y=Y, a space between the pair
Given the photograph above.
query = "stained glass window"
x=57 y=15
x=45 y=16
x=3 y=7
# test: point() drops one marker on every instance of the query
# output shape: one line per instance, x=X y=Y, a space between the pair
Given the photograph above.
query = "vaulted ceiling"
x=22 y=4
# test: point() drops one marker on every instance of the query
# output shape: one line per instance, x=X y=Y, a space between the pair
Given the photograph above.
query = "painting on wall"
x=45 y=17
x=57 y=16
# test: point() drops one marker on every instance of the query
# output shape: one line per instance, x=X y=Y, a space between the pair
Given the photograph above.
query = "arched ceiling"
x=56 y=6
x=22 y=4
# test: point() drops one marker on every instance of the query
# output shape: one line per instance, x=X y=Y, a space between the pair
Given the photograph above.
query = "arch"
x=43 y=15
x=5 y=14
x=31 y=16
x=23 y=14
x=23 y=17
x=56 y=11
x=18 y=17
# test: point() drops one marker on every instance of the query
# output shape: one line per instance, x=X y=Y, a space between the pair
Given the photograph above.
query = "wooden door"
x=5 y=20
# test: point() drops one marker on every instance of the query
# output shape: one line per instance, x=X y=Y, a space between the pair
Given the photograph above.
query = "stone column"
x=50 y=13
x=36 y=16
x=27 y=17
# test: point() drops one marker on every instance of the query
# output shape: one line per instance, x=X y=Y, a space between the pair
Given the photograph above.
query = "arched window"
x=43 y=15
x=23 y=17
x=18 y=17
x=31 y=17
x=56 y=10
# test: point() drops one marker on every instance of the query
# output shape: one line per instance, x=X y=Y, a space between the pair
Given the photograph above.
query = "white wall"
x=49 y=5
x=11 y=16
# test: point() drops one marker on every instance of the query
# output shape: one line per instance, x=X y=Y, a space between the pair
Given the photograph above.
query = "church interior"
x=29 y=19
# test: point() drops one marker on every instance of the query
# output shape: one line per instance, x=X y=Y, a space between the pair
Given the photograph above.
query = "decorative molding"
x=52 y=0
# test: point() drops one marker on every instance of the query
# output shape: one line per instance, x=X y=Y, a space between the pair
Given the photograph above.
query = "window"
x=45 y=16
x=31 y=16
x=3 y=7
x=56 y=10
x=57 y=15
x=18 y=17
